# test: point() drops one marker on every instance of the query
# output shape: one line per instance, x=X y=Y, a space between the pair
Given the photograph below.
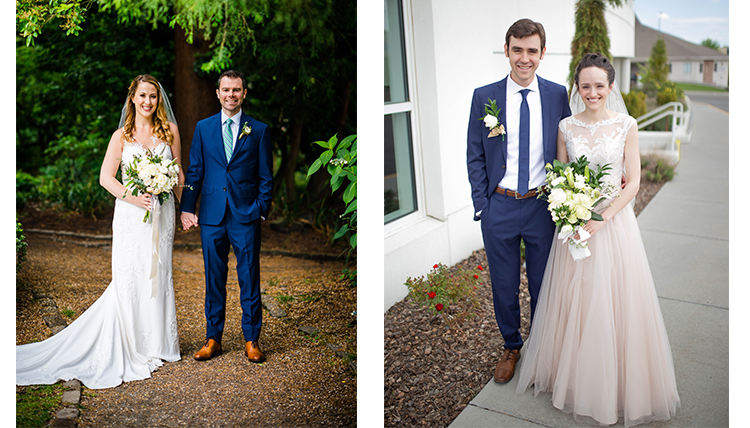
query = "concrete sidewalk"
x=685 y=230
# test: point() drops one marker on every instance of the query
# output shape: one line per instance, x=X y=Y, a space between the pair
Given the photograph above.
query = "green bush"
x=447 y=291
x=26 y=189
x=71 y=182
x=668 y=92
x=635 y=101
x=20 y=246
x=656 y=168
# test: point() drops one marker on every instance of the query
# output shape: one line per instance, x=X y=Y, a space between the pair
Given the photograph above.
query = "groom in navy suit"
x=506 y=155
x=231 y=169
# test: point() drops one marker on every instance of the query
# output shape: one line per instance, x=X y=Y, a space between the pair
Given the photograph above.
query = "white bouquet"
x=152 y=174
x=573 y=191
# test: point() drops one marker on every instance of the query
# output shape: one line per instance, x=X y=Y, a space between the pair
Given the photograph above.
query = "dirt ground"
x=308 y=378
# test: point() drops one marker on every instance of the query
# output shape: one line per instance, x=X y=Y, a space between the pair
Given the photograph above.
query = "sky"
x=691 y=20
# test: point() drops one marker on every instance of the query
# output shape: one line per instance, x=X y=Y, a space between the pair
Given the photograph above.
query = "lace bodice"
x=602 y=143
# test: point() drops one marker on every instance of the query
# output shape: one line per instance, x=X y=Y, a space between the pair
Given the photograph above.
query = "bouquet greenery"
x=152 y=174
x=573 y=191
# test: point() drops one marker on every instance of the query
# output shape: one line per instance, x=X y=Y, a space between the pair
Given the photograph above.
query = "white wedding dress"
x=598 y=340
x=126 y=333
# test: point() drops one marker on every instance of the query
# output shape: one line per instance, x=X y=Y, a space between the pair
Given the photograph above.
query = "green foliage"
x=591 y=34
x=635 y=102
x=35 y=406
x=71 y=182
x=656 y=168
x=710 y=43
x=669 y=92
x=656 y=71
x=26 y=189
x=447 y=291
x=31 y=16
x=20 y=246
x=340 y=159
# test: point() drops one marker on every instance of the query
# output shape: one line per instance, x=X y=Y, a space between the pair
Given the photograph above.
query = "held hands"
x=188 y=220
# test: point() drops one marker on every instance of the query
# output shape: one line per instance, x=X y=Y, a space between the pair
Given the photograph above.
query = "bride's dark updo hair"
x=595 y=60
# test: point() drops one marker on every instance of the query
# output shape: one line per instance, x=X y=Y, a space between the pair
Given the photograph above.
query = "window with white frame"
x=400 y=196
x=687 y=68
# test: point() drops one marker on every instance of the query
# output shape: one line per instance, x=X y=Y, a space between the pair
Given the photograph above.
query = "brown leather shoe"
x=211 y=349
x=506 y=367
x=253 y=352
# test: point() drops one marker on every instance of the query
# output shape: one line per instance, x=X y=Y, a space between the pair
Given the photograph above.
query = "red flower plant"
x=480 y=267
x=435 y=267
x=432 y=294
x=439 y=306
x=476 y=276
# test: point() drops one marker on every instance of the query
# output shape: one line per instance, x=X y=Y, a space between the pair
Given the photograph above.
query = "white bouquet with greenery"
x=573 y=191
x=152 y=174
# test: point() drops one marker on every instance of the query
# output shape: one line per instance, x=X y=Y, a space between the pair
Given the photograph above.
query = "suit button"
x=228 y=170
x=503 y=167
x=225 y=189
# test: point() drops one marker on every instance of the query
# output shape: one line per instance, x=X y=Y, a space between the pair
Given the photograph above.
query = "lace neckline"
x=154 y=140
x=619 y=117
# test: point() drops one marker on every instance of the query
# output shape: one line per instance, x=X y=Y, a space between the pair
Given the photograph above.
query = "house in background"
x=688 y=62
x=436 y=53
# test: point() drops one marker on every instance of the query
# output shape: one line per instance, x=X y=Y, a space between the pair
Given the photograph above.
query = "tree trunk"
x=194 y=96
x=291 y=160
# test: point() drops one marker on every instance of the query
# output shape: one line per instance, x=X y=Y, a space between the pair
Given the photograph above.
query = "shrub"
x=635 y=101
x=20 y=246
x=668 y=92
x=446 y=292
x=656 y=168
x=26 y=189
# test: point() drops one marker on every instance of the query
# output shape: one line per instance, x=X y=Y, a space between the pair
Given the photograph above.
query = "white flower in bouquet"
x=572 y=193
x=152 y=174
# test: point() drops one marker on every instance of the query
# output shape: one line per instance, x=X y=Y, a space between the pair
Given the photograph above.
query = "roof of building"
x=677 y=49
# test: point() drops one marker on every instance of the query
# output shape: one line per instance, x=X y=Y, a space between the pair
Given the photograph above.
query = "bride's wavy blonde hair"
x=161 y=124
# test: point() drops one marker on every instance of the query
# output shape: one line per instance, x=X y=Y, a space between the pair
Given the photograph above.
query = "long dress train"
x=598 y=341
x=125 y=334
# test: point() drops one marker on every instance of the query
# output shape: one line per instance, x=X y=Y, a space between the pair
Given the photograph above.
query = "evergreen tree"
x=591 y=32
x=656 y=72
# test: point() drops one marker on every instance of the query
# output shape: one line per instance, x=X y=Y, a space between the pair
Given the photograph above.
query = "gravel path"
x=308 y=378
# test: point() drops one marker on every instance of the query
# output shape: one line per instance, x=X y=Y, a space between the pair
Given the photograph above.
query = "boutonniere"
x=246 y=130
x=492 y=119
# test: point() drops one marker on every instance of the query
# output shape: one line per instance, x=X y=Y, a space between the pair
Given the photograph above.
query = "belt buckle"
x=516 y=195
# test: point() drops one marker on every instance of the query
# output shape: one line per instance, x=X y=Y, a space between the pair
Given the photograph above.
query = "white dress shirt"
x=235 y=127
x=513 y=98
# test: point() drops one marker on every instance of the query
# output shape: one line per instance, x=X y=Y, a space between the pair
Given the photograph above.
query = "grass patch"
x=36 y=405
x=698 y=87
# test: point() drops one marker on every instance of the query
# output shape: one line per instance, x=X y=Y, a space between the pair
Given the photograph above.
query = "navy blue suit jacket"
x=245 y=183
x=486 y=157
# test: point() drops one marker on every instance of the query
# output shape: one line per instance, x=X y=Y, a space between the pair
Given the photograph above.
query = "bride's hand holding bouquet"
x=573 y=191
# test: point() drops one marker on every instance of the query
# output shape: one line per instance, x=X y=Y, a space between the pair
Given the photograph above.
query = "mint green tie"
x=228 y=139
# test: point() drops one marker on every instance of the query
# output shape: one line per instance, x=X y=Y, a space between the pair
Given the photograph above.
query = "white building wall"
x=458 y=47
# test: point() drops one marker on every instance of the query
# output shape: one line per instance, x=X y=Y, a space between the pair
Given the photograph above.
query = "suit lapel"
x=543 y=98
x=241 y=139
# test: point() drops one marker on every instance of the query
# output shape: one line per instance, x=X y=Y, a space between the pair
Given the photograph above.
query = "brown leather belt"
x=531 y=193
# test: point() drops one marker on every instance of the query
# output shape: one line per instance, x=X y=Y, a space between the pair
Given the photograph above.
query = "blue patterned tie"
x=228 y=139
x=523 y=146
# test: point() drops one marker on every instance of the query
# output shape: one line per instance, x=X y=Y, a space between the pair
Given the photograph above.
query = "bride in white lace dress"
x=598 y=341
x=128 y=332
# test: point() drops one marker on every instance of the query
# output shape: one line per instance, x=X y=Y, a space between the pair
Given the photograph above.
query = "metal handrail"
x=674 y=108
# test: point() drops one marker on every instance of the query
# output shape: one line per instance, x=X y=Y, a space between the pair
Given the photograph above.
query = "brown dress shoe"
x=253 y=352
x=506 y=367
x=211 y=349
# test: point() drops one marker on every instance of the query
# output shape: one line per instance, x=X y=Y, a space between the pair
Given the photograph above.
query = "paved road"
x=719 y=100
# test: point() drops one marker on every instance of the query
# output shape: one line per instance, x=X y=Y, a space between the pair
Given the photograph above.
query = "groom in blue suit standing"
x=231 y=169
x=506 y=154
